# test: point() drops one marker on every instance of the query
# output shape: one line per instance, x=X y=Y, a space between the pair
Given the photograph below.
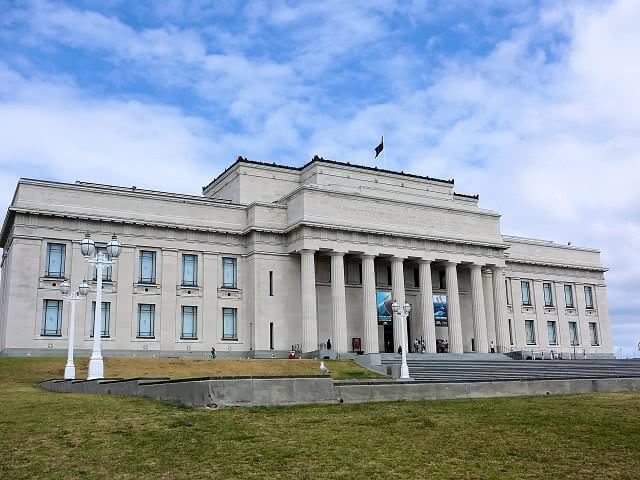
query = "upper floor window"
x=189 y=270
x=52 y=318
x=229 y=324
x=105 y=318
x=55 y=260
x=568 y=296
x=271 y=283
x=229 y=272
x=525 y=286
x=106 y=269
x=507 y=286
x=189 y=323
x=147 y=266
x=588 y=296
x=593 y=333
x=146 y=320
x=548 y=294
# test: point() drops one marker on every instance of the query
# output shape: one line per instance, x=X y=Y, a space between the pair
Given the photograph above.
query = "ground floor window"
x=146 y=320
x=189 y=323
x=552 y=332
x=52 y=318
x=229 y=323
x=593 y=333
x=106 y=318
x=573 y=334
x=529 y=326
x=510 y=333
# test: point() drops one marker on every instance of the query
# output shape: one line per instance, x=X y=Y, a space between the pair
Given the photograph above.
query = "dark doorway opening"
x=388 y=338
x=271 y=336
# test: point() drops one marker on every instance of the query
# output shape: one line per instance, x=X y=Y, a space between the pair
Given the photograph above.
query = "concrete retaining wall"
x=251 y=392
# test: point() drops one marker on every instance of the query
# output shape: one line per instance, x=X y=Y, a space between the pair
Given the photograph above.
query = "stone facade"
x=292 y=256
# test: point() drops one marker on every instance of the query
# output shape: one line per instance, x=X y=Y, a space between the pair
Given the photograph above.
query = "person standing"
x=213 y=353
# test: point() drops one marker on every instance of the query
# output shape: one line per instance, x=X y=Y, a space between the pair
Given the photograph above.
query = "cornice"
x=524 y=261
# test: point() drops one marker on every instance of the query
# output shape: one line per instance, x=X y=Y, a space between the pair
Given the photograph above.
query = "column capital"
x=397 y=259
x=451 y=263
x=476 y=266
x=424 y=261
x=365 y=256
x=334 y=253
x=307 y=251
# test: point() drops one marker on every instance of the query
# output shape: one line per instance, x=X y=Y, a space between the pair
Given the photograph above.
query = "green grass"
x=47 y=435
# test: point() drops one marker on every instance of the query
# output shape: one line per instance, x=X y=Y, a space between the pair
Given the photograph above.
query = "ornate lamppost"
x=87 y=247
x=402 y=311
x=72 y=298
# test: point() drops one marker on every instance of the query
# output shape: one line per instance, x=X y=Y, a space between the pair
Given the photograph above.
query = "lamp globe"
x=88 y=246
x=84 y=288
x=65 y=287
x=113 y=247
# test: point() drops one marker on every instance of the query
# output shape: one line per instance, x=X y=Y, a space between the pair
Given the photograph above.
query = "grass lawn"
x=61 y=436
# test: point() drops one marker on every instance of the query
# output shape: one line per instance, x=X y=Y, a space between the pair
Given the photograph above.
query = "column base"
x=69 y=372
x=96 y=368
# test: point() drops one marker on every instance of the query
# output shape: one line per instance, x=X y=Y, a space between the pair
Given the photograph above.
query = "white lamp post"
x=403 y=312
x=87 y=247
x=72 y=298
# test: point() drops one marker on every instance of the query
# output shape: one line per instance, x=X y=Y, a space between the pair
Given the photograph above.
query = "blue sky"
x=533 y=105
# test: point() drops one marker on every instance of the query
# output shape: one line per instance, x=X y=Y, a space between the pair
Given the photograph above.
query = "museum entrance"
x=388 y=337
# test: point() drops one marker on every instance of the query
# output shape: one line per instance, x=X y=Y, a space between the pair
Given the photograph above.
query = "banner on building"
x=440 y=310
x=384 y=301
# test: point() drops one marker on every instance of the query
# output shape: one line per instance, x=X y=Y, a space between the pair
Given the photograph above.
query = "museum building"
x=273 y=256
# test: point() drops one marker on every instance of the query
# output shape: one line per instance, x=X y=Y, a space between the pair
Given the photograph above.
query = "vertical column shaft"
x=426 y=306
x=499 y=310
x=308 y=294
x=453 y=299
x=479 y=317
x=339 y=308
x=397 y=288
x=370 y=316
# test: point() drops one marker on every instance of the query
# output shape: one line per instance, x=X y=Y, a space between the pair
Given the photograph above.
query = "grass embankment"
x=47 y=435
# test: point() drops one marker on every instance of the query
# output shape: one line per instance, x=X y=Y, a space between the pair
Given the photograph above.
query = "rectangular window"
x=270 y=283
x=52 y=318
x=189 y=323
x=588 y=296
x=147 y=267
x=548 y=294
x=531 y=332
x=416 y=277
x=593 y=333
x=573 y=334
x=229 y=324
x=510 y=333
x=507 y=286
x=229 y=272
x=146 y=320
x=189 y=270
x=568 y=296
x=106 y=318
x=552 y=333
x=271 y=336
x=106 y=269
x=525 y=286
x=55 y=260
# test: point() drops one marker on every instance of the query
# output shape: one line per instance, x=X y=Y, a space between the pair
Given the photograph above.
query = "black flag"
x=379 y=147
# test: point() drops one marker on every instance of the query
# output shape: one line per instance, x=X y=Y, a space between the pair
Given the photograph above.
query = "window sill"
x=145 y=338
x=58 y=335
x=228 y=339
x=189 y=339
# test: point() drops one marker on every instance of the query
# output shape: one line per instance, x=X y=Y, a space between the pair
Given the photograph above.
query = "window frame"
x=44 y=332
x=271 y=283
x=528 y=303
x=508 y=292
x=154 y=272
x=194 y=281
x=63 y=254
x=234 y=263
x=590 y=305
x=574 y=337
x=152 y=321
x=569 y=288
x=194 y=328
x=592 y=332
x=533 y=332
x=234 y=312
x=547 y=287
x=102 y=319
x=555 y=333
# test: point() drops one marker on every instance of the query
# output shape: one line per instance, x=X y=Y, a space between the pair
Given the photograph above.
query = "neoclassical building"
x=272 y=256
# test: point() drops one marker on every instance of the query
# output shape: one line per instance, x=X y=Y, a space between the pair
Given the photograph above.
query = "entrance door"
x=388 y=338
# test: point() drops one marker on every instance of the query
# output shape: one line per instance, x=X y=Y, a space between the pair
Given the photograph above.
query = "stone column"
x=339 y=309
x=397 y=292
x=453 y=300
x=479 y=317
x=499 y=310
x=369 y=313
x=308 y=294
x=426 y=306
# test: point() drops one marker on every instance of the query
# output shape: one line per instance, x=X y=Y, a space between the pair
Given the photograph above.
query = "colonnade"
x=424 y=310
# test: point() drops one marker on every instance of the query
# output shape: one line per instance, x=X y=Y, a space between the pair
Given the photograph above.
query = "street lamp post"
x=87 y=247
x=402 y=311
x=72 y=298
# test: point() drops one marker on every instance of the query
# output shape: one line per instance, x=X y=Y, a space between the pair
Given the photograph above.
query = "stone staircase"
x=451 y=370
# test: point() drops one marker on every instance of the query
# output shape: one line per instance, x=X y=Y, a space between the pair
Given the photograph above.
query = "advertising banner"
x=440 y=310
x=383 y=302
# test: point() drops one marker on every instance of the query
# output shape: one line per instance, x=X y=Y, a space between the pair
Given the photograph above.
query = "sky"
x=534 y=105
